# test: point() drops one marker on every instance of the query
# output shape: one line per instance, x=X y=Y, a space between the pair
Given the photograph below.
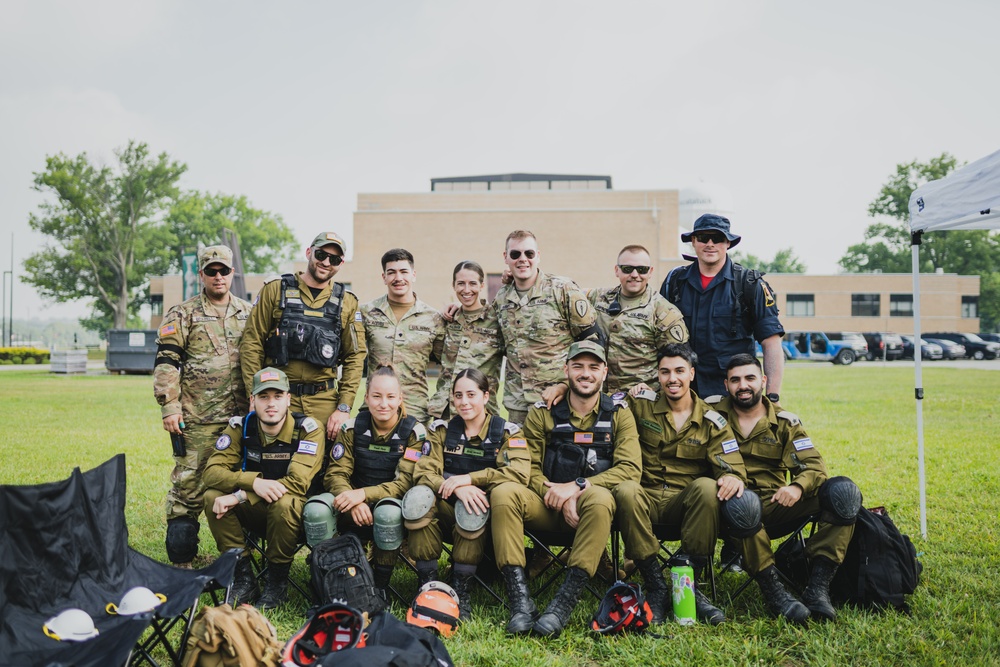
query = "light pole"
x=4 y=334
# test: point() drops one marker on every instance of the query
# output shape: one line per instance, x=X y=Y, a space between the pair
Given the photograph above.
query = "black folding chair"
x=664 y=533
x=556 y=545
x=257 y=553
x=797 y=533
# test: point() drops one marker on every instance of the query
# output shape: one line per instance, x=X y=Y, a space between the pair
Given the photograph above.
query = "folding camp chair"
x=487 y=558
x=555 y=545
x=257 y=552
x=797 y=533
x=664 y=533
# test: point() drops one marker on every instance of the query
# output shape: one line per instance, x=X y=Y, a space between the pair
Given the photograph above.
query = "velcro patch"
x=338 y=452
x=411 y=454
x=583 y=438
x=223 y=442
x=307 y=447
x=425 y=449
x=517 y=443
x=650 y=425
x=802 y=443
x=268 y=376
x=730 y=446
x=168 y=329
x=357 y=317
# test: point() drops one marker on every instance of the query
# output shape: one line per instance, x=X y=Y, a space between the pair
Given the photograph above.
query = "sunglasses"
x=709 y=238
x=322 y=256
x=516 y=254
x=627 y=269
x=211 y=273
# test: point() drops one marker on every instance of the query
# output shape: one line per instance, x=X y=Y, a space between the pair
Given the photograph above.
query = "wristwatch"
x=773 y=397
x=241 y=495
x=582 y=483
x=344 y=407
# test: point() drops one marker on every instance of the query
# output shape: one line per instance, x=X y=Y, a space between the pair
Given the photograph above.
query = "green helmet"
x=387 y=531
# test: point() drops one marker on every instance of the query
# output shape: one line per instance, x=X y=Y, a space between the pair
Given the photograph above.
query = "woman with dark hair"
x=469 y=455
x=472 y=339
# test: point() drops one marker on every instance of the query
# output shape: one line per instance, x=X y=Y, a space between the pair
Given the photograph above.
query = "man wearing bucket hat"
x=308 y=325
x=725 y=306
x=199 y=386
x=259 y=474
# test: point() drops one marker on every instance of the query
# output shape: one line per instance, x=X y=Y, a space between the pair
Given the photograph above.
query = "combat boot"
x=656 y=590
x=556 y=615
x=461 y=580
x=427 y=570
x=244 y=588
x=817 y=593
x=780 y=601
x=703 y=607
x=276 y=587
x=522 y=609
x=383 y=574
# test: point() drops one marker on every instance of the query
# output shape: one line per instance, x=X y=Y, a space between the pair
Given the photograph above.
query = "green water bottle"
x=682 y=576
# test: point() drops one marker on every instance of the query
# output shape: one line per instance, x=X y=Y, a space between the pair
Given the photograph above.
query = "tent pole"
x=918 y=379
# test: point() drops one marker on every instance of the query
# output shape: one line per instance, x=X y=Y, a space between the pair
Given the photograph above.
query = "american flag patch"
x=168 y=329
x=517 y=443
x=729 y=446
x=802 y=443
x=268 y=376
x=583 y=438
x=411 y=454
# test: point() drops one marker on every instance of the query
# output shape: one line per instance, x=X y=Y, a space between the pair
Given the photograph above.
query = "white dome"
x=696 y=200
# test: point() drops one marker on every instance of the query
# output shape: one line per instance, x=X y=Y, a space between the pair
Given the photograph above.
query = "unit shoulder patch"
x=790 y=417
x=716 y=418
x=223 y=442
x=337 y=452
x=236 y=422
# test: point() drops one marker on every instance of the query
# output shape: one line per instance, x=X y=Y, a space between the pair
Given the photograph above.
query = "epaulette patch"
x=236 y=422
x=716 y=418
x=420 y=431
x=714 y=399
x=309 y=424
x=511 y=428
x=438 y=423
x=647 y=394
x=349 y=424
x=790 y=416
x=541 y=404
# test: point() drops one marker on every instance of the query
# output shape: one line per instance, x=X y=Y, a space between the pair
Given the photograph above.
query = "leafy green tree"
x=104 y=226
x=784 y=261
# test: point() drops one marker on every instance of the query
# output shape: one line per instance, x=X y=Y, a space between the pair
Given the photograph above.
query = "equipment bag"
x=340 y=573
x=881 y=565
x=226 y=637
x=388 y=642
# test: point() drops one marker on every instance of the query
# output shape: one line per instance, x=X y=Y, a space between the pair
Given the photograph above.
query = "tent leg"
x=919 y=382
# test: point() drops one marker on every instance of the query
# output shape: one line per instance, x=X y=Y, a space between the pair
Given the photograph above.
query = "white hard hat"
x=71 y=625
x=138 y=600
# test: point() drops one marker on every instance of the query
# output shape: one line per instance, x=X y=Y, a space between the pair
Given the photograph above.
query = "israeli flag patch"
x=223 y=442
x=730 y=446
x=802 y=443
x=307 y=447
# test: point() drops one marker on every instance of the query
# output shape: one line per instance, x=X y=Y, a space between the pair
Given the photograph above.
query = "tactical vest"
x=303 y=333
x=571 y=452
x=460 y=458
x=376 y=464
x=271 y=462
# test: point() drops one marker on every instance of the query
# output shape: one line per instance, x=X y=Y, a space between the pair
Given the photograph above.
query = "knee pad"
x=182 y=540
x=418 y=507
x=743 y=516
x=319 y=519
x=839 y=501
x=387 y=528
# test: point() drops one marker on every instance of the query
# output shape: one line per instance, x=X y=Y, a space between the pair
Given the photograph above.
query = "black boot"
x=383 y=574
x=244 y=588
x=182 y=540
x=461 y=580
x=656 y=590
x=276 y=587
x=556 y=615
x=817 y=593
x=522 y=609
x=780 y=601
x=703 y=607
x=427 y=570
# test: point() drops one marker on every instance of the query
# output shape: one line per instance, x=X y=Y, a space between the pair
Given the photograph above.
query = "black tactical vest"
x=376 y=464
x=572 y=453
x=303 y=333
x=271 y=462
x=460 y=458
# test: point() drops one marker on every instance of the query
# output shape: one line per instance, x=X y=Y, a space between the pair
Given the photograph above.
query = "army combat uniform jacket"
x=472 y=340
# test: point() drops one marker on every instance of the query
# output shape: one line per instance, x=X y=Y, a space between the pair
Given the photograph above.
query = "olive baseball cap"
x=215 y=254
x=269 y=378
x=328 y=238
x=586 y=347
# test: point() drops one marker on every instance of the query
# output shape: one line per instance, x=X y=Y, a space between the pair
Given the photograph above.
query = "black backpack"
x=881 y=565
x=388 y=642
x=340 y=572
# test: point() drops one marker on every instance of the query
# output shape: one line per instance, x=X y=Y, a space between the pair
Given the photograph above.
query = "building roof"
x=520 y=177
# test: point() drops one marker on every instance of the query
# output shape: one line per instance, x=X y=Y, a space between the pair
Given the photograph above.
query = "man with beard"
x=307 y=325
x=788 y=473
x=258 y=477
x=690 y=464
x=580 y=450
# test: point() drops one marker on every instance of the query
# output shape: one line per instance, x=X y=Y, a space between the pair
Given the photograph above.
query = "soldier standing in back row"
x=198 y=384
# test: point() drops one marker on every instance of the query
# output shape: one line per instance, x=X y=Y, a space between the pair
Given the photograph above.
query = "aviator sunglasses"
x=516 y=254
x=322 y=256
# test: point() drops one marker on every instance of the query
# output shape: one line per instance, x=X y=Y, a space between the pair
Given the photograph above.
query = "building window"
x=800 y=305
x=865 y=305
x=901 y=305
x=156 y=304
x=970 y=306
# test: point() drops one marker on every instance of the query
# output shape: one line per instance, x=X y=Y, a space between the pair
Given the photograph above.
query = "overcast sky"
x=800 y=109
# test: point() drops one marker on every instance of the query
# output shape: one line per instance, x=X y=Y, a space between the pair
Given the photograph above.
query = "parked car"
x=856 y=341
x=975 y=347
x=990 y=337
x=951 y=349
x=928 y=350
x=817 y=346
x=888 y=346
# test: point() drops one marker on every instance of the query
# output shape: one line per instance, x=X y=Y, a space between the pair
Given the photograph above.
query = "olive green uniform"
x=340 y=468
x=680 y=467
x=305 y=378
x=472 y=340
x=537 y=329
x=645 y=324
x=408 y=344
x=281 y=521
x=514 y=506
x=513 y=465
x=197 y=376
x=779 y=452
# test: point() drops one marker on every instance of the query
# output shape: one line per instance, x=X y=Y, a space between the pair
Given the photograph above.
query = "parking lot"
x=984 y=365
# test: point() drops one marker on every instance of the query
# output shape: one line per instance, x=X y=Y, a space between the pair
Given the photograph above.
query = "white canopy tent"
x=967 y=198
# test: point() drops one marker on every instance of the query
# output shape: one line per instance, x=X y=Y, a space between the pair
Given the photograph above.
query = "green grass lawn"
x=862 y=419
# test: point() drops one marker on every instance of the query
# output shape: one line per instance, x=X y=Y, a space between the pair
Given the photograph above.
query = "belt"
x=311 y=389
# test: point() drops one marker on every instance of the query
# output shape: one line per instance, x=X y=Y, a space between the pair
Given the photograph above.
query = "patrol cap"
x=269 y=378
x=215 y=254
x=330 y=238
x=711 y=222
x=586 y=347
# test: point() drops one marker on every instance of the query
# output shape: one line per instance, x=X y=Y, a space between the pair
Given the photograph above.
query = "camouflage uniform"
x=680 y=467
x=197 y=375
x=537 y=329
x=472 y=340
x=303 y=376
x=513 y=464
x=409 y=345
x=644 y=324
x=779 y=452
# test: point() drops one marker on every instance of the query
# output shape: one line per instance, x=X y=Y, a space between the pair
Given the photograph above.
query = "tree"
x=105 y=229
x=265 y=240
x=784 y=261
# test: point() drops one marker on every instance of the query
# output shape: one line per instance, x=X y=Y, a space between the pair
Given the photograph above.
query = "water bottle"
x=682 y=577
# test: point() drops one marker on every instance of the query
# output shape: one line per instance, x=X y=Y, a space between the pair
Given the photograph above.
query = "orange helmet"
x=435 y=608
x=334 y=627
